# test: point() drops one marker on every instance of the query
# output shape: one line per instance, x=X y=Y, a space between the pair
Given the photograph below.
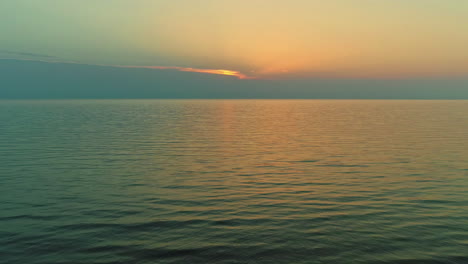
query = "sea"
x=233 y=181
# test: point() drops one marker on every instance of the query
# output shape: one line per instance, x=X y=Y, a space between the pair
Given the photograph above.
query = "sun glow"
x=313 y=38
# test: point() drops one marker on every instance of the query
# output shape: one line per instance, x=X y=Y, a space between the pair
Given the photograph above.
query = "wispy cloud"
x=52 y=59
x=237 y=74
x=26 y=54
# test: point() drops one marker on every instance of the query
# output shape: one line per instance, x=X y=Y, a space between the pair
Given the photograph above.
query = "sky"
x=350 y=49
x=264 y=39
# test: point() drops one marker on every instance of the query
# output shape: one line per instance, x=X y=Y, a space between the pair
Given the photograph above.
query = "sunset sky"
x=251 y=39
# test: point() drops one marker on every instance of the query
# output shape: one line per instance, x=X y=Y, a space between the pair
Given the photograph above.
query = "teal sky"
x=259 y=38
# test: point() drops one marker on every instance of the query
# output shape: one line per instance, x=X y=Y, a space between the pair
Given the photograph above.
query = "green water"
x=233 y=181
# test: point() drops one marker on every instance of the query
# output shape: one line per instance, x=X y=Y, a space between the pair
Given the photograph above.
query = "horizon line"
x=241 y=76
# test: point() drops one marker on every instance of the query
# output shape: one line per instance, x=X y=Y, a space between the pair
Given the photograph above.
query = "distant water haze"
x=233 y=181
x=32 y=79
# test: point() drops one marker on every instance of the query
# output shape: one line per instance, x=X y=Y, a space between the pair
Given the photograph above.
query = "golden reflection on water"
x=330 y=148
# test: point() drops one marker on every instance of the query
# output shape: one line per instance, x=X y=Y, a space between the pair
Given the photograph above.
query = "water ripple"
x=233 y=181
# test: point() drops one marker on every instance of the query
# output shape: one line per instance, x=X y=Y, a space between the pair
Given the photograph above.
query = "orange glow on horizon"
x=219 y=72
x=284 y=73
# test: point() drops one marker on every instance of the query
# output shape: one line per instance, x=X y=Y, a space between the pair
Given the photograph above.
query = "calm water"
x=233 y=181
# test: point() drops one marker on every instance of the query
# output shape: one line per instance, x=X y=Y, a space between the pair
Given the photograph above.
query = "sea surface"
x=233 y=181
